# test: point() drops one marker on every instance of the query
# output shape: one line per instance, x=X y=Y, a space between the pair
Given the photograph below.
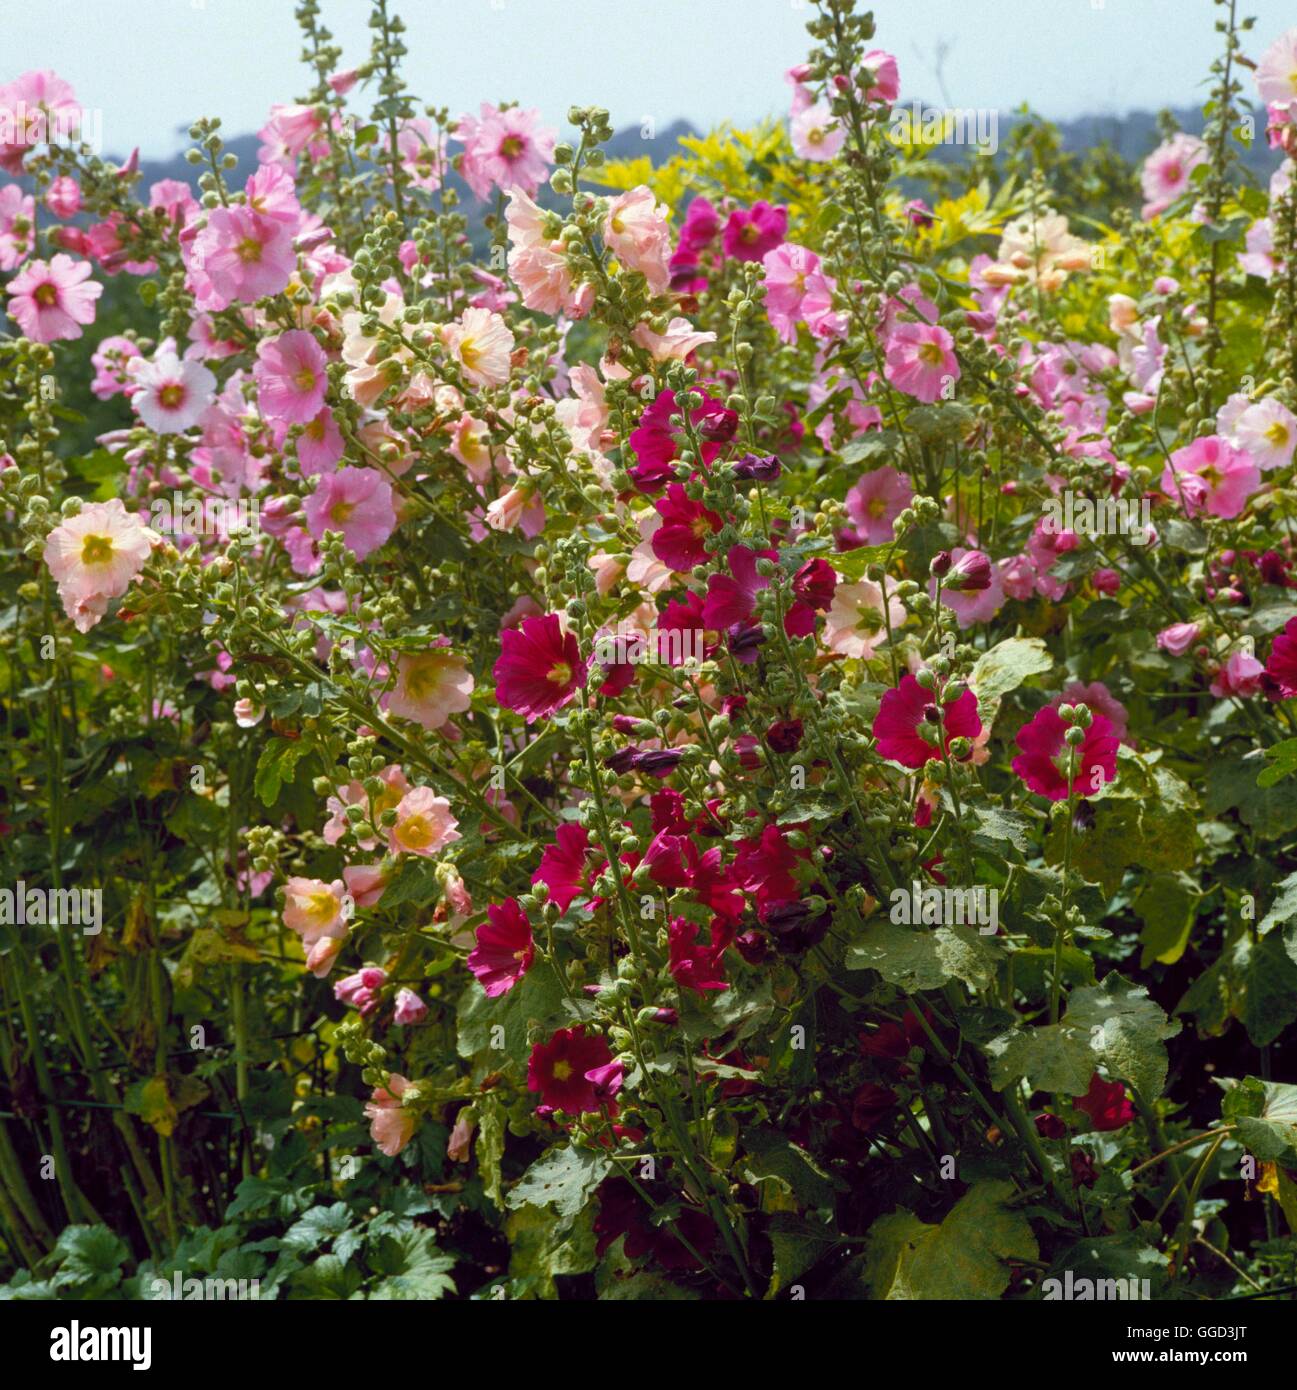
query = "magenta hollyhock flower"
x=875 y=502
x=750 y=233
x=50 y=300
x=732 y=598
x=291 y=377
x=684 y=616
x=921 y=360
x=1099 y=699
x=505 y=949
x=243 y=255
x=505 y=149
x=678 y=542
x=656 y=442
x=607 y=1080
x=1106 y=1104
x=1211 y=475
x=564 y=866
x=557 y=1069
x=1281 y=665
x=355 y=501
x=814 y=585
x=693 y=966
x=697 y=232
x=539 y=669
x=902 y=711
x=1043 y=762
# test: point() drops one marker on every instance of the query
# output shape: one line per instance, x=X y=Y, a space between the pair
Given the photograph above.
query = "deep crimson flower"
x=1083 y=1174
x=785 y=735
x=686 y=617
x=1044 y=758
x=678 y=542
x=765 y=866
x=1281 y=666
x=694 y=966
x=815 y=583
x=904 y=709
x=504 y=950
x=656 y=443
x=565 y=867
x=1050 y=1126
x=1106 y=1104
x=539 y=668
x=869 y=1104
x=750 y=234
x=894 y=1041
x=557 y=1069
x=758 y=468
x=622 y=1213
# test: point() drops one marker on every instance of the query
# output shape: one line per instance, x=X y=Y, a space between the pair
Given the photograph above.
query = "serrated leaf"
x=919 y=958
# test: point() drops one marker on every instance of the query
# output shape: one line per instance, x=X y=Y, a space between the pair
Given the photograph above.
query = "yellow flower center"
x=1277 y=434
x=931 y=354
x=415 y=833
x=46 y=295
x=305 y=380
x=511 y=147
x=248 y=250
x=171 y=395
x=562 y=1070
x=341 y=512
x=876 y=507
x=315 y=430
x=423 y=676
x=322 y=906
x=470 y=353
x=97 y=550
x=560 y=673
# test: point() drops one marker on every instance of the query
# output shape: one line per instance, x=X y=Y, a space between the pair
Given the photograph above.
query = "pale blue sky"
x=151 y=66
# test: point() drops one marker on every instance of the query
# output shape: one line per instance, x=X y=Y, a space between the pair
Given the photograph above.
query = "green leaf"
x=919 y=958
x=1284 y=907
x=1167 y=905
x=1282 y=762
x=490 y=1145
x=412 y=1266
x=564 y=1179
x=996 y=827
x=1127 y=1031
x=1122 y=1257
x=317 y=1227
x=1266 y=1115
x=798 y=1244
x=964 y=1258
x=275 y=766
x=1007 y=665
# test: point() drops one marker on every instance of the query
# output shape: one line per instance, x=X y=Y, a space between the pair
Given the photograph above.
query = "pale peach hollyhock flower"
x=456 y=893
x=1041 y=249
x=459 y=1147
x=645 y=571
x=365 y=883
x=584 y=414
x=321 y=956
x=538 y=263
x=1123 y=314
x=246 y=714
x=314 y=909
x=1267 y=431
x=424 y=824
x=855 y=625
x=506 y=511
x=430 y=687
x=680 y=339
x=636 y=232
x=93 y=557
x=391 y=1126
x=470 y=443
x=389 y=797
x=608 y=570
x=368 y=377
x=391 y=449
x=481 y=343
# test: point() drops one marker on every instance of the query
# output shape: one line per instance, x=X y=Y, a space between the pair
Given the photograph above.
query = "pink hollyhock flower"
x=505 y=149
x=607 y=1081
x=314 y=909
x=972 y=605
x=320 y=445
x=37 y=108
x=678 y=542
x=855 y=625
x=1018 y=576
x=505 y=949
x=797 y=291
x=693 y=966
x=750 y=234
x=409 y=1007
x=816 y=132
x=290 y=130
x=921 y=361
x=430 y=687
x=1106 y=581
x=1259 y=258
x=875 y=502
x=247 y=715
x=424 y=824
x=1211 y=475
x=1276 y=73
x=355 y=501
x=1106 y=1104
x=170 y=396
x=902 y=711
x=879 y=77
x=1281 y=666
x=422 y=152
x=557 y=1069
x=1178 y=638
x=1267 y=431
x=291 y=377
x=636 y=232
x=1240 y=675
x=677 y=343
x=110 y=361
x=538 y=263
x=366 y=883
x=340 y=83
x=482 y=344
x=1043 y=761
x=360 y=991
x=1099 y=699
x=93 y=557
x=564 y=866
x=731 y=598
x=51 y=300
x=1165 y=175
x=539 y=669
x=242 y=255
x=17 y=226
x=391 y=1126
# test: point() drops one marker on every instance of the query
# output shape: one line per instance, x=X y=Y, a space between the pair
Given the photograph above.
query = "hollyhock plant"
x=1046 y=756
x=240 y=256
x=504 y=950
x=540 y=668
x=53 y=300
x=504 y=148
x=1165 y=175
x=907 y=708
x=94 y=555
